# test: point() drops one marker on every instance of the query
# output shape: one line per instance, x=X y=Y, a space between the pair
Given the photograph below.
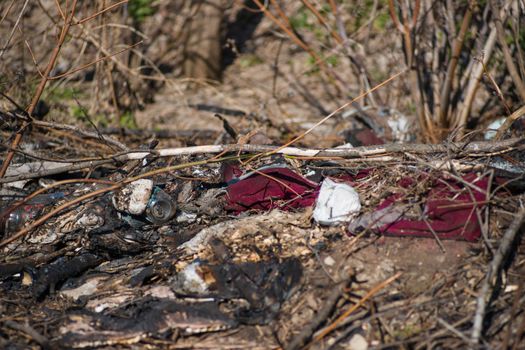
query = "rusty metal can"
x=161 y=207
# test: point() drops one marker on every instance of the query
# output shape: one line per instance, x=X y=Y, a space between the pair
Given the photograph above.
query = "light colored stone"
x=358 y=342
x=329 y=261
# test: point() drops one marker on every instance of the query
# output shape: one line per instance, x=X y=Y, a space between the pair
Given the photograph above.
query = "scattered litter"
x=324 y=178
x=449 y=210
x=329 y=261
x=15 y=217
x=184 y=217
x=510 y=166
x=362 y=137
x=399 y=125
x=177 y=257
x=336 y=203
x=142 y=197
x=377 y=219
x=269 y=188
x=191 y=280
x=493 y=127
x=143 y=318
x=133 y=198
x=160 y=208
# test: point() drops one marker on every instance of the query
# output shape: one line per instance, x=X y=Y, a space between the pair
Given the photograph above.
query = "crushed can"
x=161 y=207
x=142 y=202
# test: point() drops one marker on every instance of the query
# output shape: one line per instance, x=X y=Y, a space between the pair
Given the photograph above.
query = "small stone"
x=358 y=342
x=329 y=261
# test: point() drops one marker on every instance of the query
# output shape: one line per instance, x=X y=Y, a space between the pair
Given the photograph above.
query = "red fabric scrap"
x=274 y=188
x=449 y=211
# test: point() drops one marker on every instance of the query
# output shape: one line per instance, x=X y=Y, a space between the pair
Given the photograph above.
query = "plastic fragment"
x=190 y=280
x=133 y=199
x=336 y=203
x=492 y=128
x=141 y=197
x=449 y=210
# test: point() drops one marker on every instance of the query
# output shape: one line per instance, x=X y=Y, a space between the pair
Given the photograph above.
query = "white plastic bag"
x=336 y=203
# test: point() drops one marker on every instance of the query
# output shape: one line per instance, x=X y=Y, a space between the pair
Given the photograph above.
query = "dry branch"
x=493 y=274
x=443 y=119
x=354 y=307
x=302 y=338
x=3 y=50
x=520 y=112
x=509 y=60
x=458 y=149
x=89 y=134
x=41 y=86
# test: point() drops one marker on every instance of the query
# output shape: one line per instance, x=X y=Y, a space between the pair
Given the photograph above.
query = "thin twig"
x=62 y=15
x=47 y=188
x=509 y=60
x=40 y=88
x=322 y=21
x=34 y=59
x=496 y=87
x=31 y=332
x=57 y=210
x=110 y=7
x=324 y=312
x=472 y=87
x=443 y=117
x=514 y=313
x=453 y=329
x=338 y=110
x=493 y=273
x=286 y=28
x=3 y=50
x=426 y=125
x=89 y=134
x=7 y=10
x=354 y=307
x=87 y=65
x=520 y=112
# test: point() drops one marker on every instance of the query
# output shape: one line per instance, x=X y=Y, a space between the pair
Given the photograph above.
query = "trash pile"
x=249 y=248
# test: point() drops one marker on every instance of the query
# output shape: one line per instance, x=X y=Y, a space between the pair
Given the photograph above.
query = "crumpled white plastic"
x=134 y=197
x=336 y=203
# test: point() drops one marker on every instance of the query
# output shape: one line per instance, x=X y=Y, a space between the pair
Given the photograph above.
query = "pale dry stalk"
x=40 y=89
